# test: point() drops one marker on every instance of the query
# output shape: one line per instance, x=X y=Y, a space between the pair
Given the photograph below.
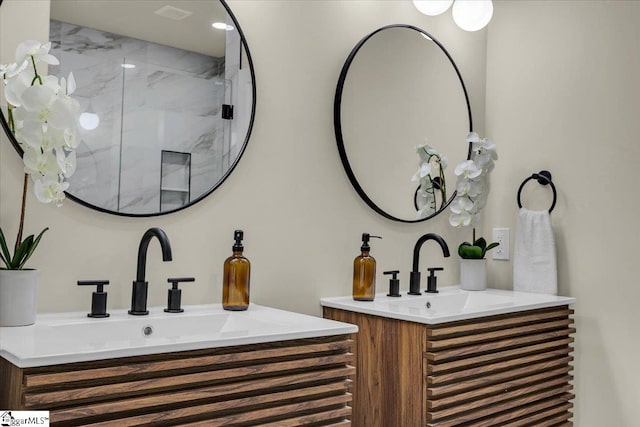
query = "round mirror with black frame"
x=399 y=89
x=167 y=98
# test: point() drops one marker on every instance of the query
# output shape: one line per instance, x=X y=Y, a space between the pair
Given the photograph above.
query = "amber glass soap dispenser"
x=235 y=285
x=364 y=272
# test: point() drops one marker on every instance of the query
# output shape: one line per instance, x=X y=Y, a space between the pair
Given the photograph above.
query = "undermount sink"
x=450 y=304
x=155 y=329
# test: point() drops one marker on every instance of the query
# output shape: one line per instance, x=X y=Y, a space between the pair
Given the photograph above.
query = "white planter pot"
x=473 y=274
x=18 y=295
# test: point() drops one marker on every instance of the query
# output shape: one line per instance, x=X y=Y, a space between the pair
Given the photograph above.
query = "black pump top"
x=238 y=235
x=365 y=241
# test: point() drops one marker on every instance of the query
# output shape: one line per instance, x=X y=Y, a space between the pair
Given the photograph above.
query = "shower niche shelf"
x=175 y=180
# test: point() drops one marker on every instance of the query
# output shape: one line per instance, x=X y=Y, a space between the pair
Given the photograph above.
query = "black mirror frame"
x=14 y=142
x=337 y=122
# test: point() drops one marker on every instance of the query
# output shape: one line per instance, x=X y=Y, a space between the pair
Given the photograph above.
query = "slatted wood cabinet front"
x=507 y=370
x=287 y=383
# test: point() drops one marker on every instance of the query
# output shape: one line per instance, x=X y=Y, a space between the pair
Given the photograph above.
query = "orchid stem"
x=35 y=71
x=24 y=205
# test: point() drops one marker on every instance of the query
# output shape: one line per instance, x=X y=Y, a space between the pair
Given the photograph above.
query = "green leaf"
x=470 y=252
x=33 y=247
x=5 y=255
x=21 y=252
x=461 y=248
x=481 y=243
x=491 y=246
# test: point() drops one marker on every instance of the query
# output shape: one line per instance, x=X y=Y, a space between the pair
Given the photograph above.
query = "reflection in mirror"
x=399 y=89
x=166 y=99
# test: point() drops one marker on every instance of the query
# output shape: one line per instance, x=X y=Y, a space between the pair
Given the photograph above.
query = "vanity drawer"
x=282 y=383
x=501 y=370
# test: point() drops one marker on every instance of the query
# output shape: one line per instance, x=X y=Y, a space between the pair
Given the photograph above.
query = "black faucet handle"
x=98 y=298
x=99 y=283
x=394 y=283
x=432 y=280
x=175 y=281
x=175 y=295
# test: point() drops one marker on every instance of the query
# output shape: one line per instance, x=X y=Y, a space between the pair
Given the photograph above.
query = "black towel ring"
x=543 y=178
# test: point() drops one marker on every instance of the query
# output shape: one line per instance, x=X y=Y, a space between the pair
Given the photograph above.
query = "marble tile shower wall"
x=170 y=101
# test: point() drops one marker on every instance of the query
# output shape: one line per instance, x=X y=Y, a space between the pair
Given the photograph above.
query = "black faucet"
x=414 y=278
x=139 y=291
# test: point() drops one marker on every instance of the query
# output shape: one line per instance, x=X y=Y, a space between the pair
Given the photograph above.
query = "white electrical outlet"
x=501 y=235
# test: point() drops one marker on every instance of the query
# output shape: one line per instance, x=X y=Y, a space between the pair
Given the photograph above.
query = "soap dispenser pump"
x=364 y=272
x=235 y=286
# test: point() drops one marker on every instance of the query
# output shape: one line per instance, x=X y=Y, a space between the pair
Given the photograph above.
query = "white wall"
x=563 y=95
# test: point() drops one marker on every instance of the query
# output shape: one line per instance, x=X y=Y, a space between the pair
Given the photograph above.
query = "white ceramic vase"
x=18 y=296
x=473 y=274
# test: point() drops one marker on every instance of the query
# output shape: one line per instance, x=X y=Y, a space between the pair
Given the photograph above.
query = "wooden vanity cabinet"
x=284 y=383
x=504 y=370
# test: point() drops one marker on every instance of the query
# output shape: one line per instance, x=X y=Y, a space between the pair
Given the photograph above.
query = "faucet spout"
x=144 y=245
x=140 y=285
x=414 y=278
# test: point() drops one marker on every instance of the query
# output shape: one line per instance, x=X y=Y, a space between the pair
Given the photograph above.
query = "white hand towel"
x=534 y=256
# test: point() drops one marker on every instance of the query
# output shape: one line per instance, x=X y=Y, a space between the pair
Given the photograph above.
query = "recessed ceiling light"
x=128 y=66
x=174 y=13
x=222 y=26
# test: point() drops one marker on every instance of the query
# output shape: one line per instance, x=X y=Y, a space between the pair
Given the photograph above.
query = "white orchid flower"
x=461 y=215
x=444 y=162
x=473 y=137
x=66 y=162
x=425 y=211
x=480 y=203
x=71 y=140
x=462 y=219
x=39 y=52
x=68 y=86
x=477 y=187
x=44 y=120
x=461 y=204
x=38 y=163
x=425 y=169
x=63 y=112
x=38 y=98
x=467 y=169
x=52 y=83
x=426 y=205
x=31 y=133
x=9 y=71
x=15 y=87
x=53 y=139
x=5 y=67
x=483 y=161
x=463 y=186
x=49 y=190
x=486 y=147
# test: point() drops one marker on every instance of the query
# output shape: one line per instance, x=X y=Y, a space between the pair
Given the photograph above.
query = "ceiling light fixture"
x=432 y=7
x=89 y=120
x=470 y=15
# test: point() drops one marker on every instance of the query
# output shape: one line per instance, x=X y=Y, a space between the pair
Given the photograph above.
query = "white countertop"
x=74 y=337
x=450 y=304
